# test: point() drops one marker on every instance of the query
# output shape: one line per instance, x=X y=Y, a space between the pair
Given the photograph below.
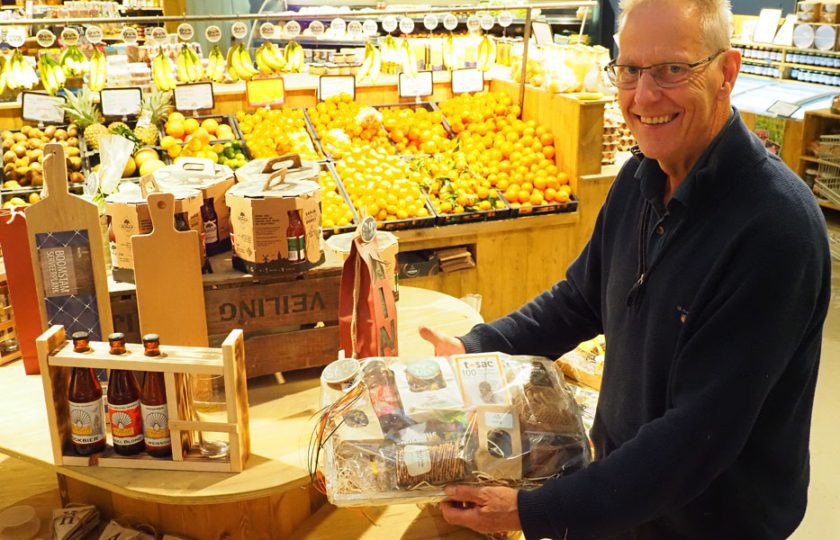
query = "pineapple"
x=118 y=128
x=83 y=111
x=154 y=108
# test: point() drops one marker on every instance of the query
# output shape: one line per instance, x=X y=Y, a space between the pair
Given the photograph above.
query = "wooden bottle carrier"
x=56 y=359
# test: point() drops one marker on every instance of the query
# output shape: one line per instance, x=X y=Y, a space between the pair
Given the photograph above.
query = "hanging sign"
x=41 y=108
x=430 y=22
x=406 y=25
x=338 y=26
x=487 y=21
x=121 y=101
x=467 y=81
x=194 y=96
x=45 y=38
x=473 y=23
x=370 y=28
x=185 y=32
x=354 y=28
x=213 y=33
x=159 y=35
x=505 y=19
x=266 y=92
x=389 y=23
x=239 y=30
x=129 y=35
x=450 y=21
x=334 y=85
x=542 y=33
x=418 y=86
x=316 y=28
x=93 y=34
x=292 y=29
x=69 y=37
x=267 y=30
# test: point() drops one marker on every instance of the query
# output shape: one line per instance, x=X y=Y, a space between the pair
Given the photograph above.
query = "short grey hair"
x=714 y=17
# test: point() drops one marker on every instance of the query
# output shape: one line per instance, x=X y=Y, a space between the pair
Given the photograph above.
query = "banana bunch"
x=162 y=73
x=486 y=53
x=98 y=71
x=390 y=52
x=372 y=63
x=188 y=65
x=2 y=73
x=449 y=56
x=73 y=62
x=294 y=57
x=52 y=76
x=19 y=74
x=408 y=61
x=270 y=58
x=216 y=65
x=239 y=63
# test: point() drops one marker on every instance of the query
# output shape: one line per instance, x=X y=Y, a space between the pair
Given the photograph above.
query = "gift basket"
x=394 y=430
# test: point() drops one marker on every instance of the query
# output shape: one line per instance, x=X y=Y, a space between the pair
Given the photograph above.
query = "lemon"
x=174 y=151
x=151 y=166
x=168 y=141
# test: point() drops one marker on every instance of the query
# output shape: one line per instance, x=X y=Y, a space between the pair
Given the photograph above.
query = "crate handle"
x=280 y=176
x=293 y=161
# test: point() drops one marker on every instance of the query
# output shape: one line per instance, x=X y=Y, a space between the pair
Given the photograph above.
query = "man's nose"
x=646 y=88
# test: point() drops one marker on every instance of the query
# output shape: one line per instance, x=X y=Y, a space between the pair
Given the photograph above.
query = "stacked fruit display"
x=339 y=119
x=270 y=133
x=335 y=213
x=455 y=186
x=416 y=131
x=182 y=127
x=23 y=154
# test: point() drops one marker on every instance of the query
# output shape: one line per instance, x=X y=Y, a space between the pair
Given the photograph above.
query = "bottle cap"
x=151 y=337
x=116 y=336
x=81 y=334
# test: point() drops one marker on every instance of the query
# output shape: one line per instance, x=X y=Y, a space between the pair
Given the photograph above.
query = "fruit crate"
x=343 y=193
x=31 y=188
x=9 y=345
x=426 y=105
x=220 y=118
x=93 y=159
x=548 y=208
x=476 y=215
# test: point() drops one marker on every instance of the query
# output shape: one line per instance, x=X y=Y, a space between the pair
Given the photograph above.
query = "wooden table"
x=269 y=499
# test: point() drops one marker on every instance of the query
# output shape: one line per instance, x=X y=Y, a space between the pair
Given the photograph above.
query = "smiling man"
x=709 y=273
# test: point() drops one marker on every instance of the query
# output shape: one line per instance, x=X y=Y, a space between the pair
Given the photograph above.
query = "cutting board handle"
x=55 y=170
x=162 y=211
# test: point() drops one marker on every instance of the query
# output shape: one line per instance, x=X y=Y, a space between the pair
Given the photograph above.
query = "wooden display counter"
x=269 y=499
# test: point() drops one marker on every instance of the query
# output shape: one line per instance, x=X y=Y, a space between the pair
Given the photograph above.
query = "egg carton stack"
x=617 y=136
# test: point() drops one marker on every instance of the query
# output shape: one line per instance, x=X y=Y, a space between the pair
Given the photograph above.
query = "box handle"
x=279 y=176
x=286 y=161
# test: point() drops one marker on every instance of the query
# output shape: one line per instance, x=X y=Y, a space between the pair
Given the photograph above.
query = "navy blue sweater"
x=704 y=415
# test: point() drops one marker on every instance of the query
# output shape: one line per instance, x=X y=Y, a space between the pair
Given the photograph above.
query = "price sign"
x=129 y=35
x=487 y=21
x=783 y=109
x=159 y=35
x=354 y=28
x=316 y=28
x=267 y=30
x=41 y=108
x=334 y=85
x=414 y=87
x=93 y=34
x=505 y=19
x=430 y=21
x=473 y=23
x=542 y=33
x=339 y=26
x=194 y=97
x=121 y=101
x=389 y=23
x=406 y=25
x=467 y=80
x=450 y=21
x=239 y=30
x=185 y=32
x=370 y=28
x=292 y=29
x=69 y=36
x=45 y=38
x=213 y=33
x=265 y=92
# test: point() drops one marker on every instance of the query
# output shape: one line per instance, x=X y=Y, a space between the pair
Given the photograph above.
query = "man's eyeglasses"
x=666 y=75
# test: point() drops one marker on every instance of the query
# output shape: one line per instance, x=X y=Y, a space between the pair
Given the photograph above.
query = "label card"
x=239 y=30
x=121 y=101
x=45 y=38
x=333 y=85
x=370 y=28
x=213 y=33
x=93 y=34
x=498 y=420
x=354 y=28
x=69 y=36
x=419 y=86
x=417 y=459
x=487 y=22
x=194 y=97
x=339 y=26
x=292 y=29
x=481 y=379
x=316 y=28
x=185 y=32
x=505 y=19
x=129 y=35
x=783 y=109
x=267 y=30
x=389 y=23
x=542 y=33
x=467 y=81
x=266 y=92
x=159 y=35
x=768 y=23
x=450 y=21
x=406 y=25
x=42 y=108
x=473 y=23
x=430 y=21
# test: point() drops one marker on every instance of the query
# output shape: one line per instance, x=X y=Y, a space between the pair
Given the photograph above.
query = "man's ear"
x=731 y=65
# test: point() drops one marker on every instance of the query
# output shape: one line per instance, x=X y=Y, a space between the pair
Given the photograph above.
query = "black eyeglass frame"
x=690 y=67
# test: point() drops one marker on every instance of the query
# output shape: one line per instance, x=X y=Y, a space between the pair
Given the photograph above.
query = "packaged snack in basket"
x=483 y=419
x=585 y=363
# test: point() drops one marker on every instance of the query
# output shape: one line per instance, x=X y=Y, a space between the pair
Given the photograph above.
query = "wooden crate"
x=7 y=324
x=56 y=358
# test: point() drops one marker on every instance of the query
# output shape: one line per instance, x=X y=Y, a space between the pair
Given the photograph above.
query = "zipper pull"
x=635 y=293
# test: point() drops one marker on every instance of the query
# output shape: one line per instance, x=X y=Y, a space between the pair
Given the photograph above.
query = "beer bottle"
x=158 y=442
x=87 y=430
x=124 y=404
x=296 y=237
x=182 y=224
x=211 y=227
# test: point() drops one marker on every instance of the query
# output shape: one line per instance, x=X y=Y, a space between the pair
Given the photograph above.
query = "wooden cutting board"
x=167 y=272
x=68 y=257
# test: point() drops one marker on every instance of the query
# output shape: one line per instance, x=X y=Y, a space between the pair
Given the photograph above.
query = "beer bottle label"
x=126 y=424
x=211 y=232
x=156 y=425
x=86 y=425
x=295 y=247
x=113 y=248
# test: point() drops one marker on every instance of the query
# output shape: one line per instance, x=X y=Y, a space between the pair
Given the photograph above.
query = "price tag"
x=267 y=30
x=41 y=108
x=419 y=86
x=316 y=28
x=339 y=26
x=783 y=109
x=45 y=38
x=185 y=32
x=505 y=19
x=498 y=420
x=93 y=34
x=487 y=21
x=334 y=85
x=542 y=33
x=389 y=23
x=121 y=101
x=194 y=97
x=265 y=92
x=129 y=35
x=467 y=81
x=69 y=36
x=473 y=23
x=450 y=21
x=354 y=28
x=213 y=33
x=370 y=28
x=159 y=34
x=430 y=21
x=406 y=25
x=239 y=30
x=292 y=29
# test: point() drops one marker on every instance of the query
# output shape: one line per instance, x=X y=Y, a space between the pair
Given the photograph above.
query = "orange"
x=211 y=125
x=175 y=128
x=190 y=125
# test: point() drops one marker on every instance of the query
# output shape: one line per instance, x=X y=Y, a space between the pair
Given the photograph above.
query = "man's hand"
x=482 y=509
x=444 y=345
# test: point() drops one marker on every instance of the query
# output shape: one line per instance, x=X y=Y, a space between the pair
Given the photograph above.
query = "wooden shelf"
x=810 y=67
x=828 y=204
x=818 y=161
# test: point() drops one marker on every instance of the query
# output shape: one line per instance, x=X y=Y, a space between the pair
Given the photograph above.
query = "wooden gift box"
x=56 y=359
